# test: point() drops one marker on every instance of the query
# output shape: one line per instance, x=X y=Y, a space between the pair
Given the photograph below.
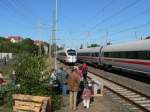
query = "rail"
x=120 y=90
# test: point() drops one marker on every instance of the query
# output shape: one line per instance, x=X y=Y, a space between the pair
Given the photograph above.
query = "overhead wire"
x=130 y=18
x=99 y=11
x=116 y=14
x=102 y=9
x=113 y=15
x=131 y=28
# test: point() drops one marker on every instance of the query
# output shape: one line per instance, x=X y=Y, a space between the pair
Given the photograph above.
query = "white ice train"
x=132 y=56
x=67 y=56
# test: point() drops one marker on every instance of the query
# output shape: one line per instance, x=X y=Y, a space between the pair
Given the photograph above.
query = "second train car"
x=132 y=56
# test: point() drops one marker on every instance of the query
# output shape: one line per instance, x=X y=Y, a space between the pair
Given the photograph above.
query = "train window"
x=145 y=55
x=142 y=55
x=132 y=55
x=148 y=55
x=93 y=55
x=84 y=54
x=87 y=54
x=109 y=54
x=106 y=54
x=124 y=54
x=71 y=52
x=116 y=54
x=96 y=54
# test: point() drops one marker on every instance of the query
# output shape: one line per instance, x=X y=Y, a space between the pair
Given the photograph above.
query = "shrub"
x=30 y=75
x=33 y=77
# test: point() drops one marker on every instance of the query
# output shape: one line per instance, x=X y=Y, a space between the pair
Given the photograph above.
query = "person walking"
x=86 y=96
x=73 y=85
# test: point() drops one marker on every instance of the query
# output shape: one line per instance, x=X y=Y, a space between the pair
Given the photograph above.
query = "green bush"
x=30 y=75
x=33 y=77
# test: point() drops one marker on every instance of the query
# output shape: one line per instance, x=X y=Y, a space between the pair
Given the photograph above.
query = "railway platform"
x=109 y=102
x=101 y=103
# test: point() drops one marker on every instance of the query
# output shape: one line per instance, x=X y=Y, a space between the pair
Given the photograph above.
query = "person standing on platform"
x=73 y=85
x=53 y=82
x=86 y=96
x=64 y=78
x=52 y=76
x=84 y=70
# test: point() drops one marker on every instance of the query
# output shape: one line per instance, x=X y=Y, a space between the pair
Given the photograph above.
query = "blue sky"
x=79 y=21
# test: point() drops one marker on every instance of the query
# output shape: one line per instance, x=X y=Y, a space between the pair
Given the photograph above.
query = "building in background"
x=43 y=45
x=15 y=39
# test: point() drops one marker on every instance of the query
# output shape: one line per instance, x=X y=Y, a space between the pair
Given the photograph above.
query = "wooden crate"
x=28 y=103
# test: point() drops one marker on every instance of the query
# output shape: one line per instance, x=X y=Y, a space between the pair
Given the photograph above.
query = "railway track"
x=135 y=100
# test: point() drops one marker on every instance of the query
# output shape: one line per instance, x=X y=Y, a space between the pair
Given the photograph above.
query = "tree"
x=93 y=45
x=5 y=45
x=27 y=45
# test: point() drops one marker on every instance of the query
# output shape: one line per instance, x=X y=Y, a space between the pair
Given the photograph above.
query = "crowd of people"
x=75 y=82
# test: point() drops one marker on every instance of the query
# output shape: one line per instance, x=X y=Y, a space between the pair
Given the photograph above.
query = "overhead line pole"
x=53 y=44
x=56 y=7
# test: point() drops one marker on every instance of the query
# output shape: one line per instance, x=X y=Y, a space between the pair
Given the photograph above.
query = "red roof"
x=39 y=42
x=15 y=37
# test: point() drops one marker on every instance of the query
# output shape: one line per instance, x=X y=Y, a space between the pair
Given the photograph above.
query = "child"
x=86 y=96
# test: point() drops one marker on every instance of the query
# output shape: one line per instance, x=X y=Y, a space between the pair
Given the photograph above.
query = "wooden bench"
x=29 y=103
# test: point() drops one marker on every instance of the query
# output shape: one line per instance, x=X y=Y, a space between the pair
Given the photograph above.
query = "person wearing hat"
x=73 y=86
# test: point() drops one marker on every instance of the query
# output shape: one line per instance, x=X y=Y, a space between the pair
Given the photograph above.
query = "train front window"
x=71 y=52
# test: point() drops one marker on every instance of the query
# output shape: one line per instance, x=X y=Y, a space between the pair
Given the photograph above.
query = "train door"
x=100 y=55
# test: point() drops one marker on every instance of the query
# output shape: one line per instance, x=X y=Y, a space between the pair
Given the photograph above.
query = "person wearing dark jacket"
x=84 y=70
x=62 y=77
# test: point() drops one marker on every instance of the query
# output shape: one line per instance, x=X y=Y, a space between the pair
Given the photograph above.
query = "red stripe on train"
x=128 y=61
x=123 y=61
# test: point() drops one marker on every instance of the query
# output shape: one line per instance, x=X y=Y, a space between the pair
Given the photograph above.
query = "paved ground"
x=100 y=104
